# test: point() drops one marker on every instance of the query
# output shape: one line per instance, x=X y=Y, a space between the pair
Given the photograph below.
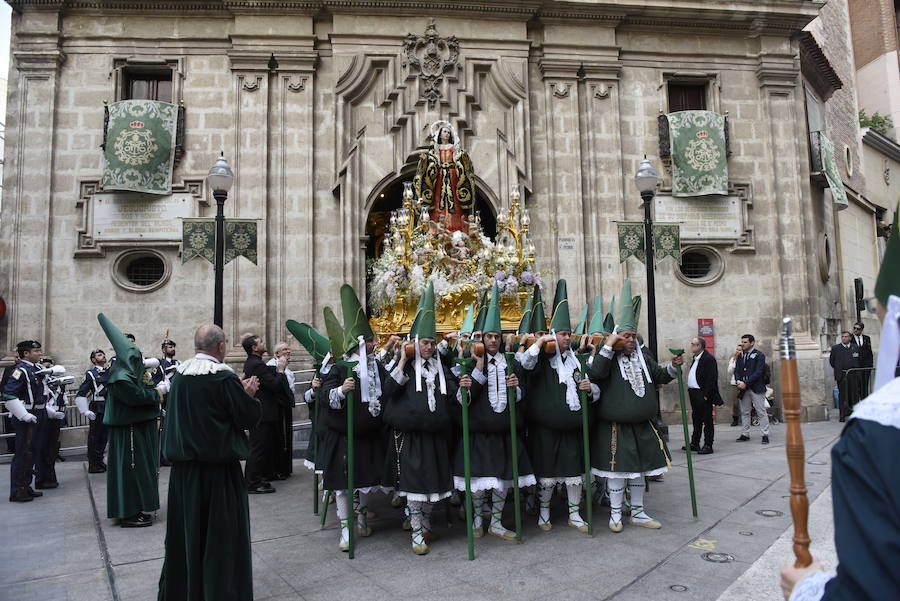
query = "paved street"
x=62 y=547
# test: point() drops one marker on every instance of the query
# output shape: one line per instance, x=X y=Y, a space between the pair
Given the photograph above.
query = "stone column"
x=28 y=203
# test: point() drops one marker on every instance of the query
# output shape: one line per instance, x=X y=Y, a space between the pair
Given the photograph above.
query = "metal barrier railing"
x=857 y=385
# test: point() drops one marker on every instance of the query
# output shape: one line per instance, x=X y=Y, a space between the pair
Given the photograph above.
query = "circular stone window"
x=700 y=266
x=141 y=270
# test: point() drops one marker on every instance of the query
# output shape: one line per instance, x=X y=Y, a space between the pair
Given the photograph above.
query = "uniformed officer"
x=94 y=385
x=26 y=402
x=55 y=390
x=167 y=365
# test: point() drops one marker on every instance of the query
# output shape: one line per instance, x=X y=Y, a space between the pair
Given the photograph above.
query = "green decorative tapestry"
x=667 y=241
x=140 y=146
x=631 y=240
x=699 y=163
x=198 y=239
x=829 y=165
x=240 y=239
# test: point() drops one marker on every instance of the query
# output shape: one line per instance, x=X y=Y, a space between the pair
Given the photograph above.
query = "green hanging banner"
x=139 y=149
x=240 y=239
x=699 y=161
x=829 y=165
x=667 y=241
x=631 y=240
x=198 y=239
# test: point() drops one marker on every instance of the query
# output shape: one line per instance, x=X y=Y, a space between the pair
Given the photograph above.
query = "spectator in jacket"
x=749 y=376
x=274 y=393
x=844 y=356
x=703 y=388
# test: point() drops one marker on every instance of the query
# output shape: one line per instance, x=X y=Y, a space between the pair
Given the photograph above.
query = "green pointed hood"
x=356 y=323
x=468 y=324
x=626 y=320
x=609 y=321
x=888 y=282
x=636 y=306
x=525 y=322
x=426 y=327
x=312 y=340
x=335 y=334
x=561 y=321
x=492 y=317
x=596 y=324
x=415 y=323
x=581 y=324
x=538 y=319
x=482 y=312
x=129 y=363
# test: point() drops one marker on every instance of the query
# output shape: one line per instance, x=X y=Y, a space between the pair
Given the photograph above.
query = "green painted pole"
x=467 y=466
x=350 y=463
x=326 y=501
x=314 y=442
x=687 y=446
x=514 y=447
x=586 y=440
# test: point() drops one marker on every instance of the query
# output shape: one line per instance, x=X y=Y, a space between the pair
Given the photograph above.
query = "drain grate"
x=678 y=588
x=770 y=513
x=745 y=533
x=817 y=462
x=718 y=557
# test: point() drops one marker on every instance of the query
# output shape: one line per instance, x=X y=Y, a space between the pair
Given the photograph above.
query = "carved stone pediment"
x=431 y=57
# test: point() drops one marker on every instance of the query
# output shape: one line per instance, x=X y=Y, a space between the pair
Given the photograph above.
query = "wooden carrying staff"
x=790 y=391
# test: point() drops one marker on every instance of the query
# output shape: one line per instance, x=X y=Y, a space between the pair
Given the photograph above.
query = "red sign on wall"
x=706 y=329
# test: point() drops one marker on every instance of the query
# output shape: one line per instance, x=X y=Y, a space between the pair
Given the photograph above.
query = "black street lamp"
x=219 y=180
x=646 y=179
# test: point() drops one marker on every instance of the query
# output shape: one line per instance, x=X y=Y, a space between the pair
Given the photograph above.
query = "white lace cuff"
x=478 y=376
x=811 y=588
x=335 y=396
x=607 y=351
x=672 y=371
x=399 y=377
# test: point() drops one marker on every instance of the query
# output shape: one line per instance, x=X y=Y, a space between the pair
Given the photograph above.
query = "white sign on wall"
x=702 y=217
x=133 y=216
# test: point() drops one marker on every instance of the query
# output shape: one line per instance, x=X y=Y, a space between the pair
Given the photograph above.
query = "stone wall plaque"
x=702 y=218
x=140 y=216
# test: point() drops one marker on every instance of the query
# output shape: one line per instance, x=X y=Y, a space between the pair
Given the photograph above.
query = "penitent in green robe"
x=624 y=442
x=208 y=521
x=133 y=462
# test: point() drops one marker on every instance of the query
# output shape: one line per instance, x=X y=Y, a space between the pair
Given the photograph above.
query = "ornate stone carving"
x=433 y=57
x=297 y=84
x=250 y=83
x=560 y=90
x=601 y=91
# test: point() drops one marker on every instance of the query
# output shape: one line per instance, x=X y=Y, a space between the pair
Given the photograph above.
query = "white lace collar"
x=882 y=406
x=198 y=366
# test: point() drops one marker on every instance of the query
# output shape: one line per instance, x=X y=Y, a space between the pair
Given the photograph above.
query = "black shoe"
x=694 y=447
x=742 y=438
x=765 y=440
x=46 y=485
x=141 y=520
x=843 y=419
x=33 y=492
x=262 y=489
x=96 y=469
x=279 y=477
x=21 y=495
x=735 y=422
x=60 y=458
x=706 y=450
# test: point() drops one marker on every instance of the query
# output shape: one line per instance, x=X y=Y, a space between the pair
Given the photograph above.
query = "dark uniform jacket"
x=842 y=359
x=274 y=391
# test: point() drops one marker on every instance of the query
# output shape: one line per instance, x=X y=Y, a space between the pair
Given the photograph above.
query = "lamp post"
x=219 y=179
x=646 y=180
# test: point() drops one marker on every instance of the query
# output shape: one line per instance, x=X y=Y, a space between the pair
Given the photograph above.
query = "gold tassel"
x=662 y=447
x=613 y=447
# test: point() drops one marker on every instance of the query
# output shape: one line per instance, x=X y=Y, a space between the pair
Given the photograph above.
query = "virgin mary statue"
x=444 y=180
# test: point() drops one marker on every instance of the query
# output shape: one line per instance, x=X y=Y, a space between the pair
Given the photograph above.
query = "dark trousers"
x=263 y=445
x=97 y=437
x=53 y=429
x=31 y=447
x=285 y=462
x=702 y=414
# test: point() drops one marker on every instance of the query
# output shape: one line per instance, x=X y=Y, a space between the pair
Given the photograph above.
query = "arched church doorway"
x=391 y=198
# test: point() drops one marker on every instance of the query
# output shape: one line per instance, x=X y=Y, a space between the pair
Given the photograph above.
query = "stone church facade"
x=321 y=108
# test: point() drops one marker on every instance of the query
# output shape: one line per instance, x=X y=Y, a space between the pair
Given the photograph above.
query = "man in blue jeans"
x=749 y=377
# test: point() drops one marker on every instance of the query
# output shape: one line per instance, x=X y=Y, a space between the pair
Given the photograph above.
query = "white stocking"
x=498 y=501
x=361 y=503
x=477 y=508
x=545 y=493
x=340 y=506
x=573 y=492
x=636 y=489
x=616 y=494
x=415 y=521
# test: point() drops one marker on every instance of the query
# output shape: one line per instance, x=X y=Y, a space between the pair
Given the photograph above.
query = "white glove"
x=151 y=363
x=52 y=413
x=163 y=387
x=82 y=404
x=17 y=408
